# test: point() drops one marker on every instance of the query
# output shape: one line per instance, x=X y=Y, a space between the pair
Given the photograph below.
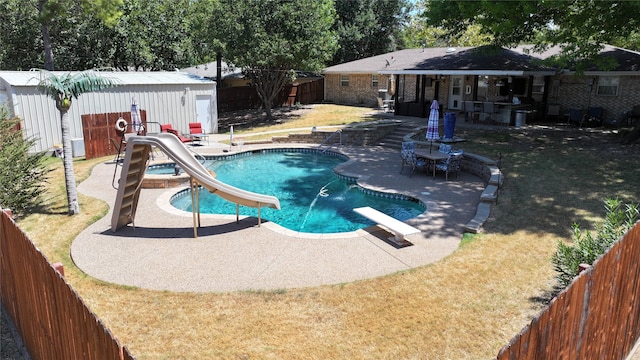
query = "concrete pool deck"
x=161 y=253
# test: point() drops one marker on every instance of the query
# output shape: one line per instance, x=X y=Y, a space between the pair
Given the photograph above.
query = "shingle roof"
x=482 y=58
x=472 y=60
x=465 y=60
x=393 y=60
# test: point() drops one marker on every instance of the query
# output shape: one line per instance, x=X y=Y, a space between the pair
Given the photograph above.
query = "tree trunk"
x=67 y=161
x=46 y=37
x=268 y=85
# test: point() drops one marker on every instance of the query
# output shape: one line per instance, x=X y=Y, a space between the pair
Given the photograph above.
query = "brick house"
x=412 y=78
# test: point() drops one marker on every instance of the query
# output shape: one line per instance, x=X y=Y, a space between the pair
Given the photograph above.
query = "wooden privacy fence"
x=596 y=317
x=50 y=316
x=246 y=97
x=310 y=92
x=100 y=135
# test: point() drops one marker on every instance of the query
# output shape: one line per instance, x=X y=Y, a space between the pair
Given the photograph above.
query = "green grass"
x=466 y=306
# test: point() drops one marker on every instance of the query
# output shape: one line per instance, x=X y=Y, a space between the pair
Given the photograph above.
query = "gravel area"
x=11 y=347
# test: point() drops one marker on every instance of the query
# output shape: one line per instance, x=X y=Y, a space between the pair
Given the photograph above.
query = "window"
x=344 y=80
x=374 y=81
x=608 y=86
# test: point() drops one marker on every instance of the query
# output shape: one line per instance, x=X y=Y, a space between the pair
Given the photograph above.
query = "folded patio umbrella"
x=432 y=126
x=136 y=120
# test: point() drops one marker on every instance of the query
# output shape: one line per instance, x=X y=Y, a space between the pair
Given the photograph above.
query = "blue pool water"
x=313 y=198
x=161 y=169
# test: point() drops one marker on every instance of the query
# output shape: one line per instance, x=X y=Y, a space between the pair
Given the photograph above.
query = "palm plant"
x=62 y=89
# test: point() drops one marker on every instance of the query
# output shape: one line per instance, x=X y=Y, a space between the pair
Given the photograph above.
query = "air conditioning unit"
x=77 y=147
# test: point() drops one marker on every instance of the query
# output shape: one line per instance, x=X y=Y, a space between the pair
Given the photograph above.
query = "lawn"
x=466 y=306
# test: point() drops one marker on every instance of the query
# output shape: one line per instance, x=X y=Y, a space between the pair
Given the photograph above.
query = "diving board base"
x=396 y=227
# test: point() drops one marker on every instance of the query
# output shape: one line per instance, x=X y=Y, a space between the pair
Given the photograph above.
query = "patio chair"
x=576 y=116
x=409 y=157
x=470 y=111
x=196 y=133
x=169 y=129
x=594 y=116
x=382 y=105
x=445 y=148
x=452 y=164
x=488 y=109
x=195 y=128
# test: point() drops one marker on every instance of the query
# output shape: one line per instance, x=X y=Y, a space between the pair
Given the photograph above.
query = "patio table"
x=432 y=155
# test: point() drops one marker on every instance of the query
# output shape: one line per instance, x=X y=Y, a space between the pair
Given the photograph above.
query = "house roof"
x=483 y=60
x=32 y=78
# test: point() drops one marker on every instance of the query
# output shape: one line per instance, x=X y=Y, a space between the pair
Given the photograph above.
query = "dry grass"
x=466 y=306
x=304 y=117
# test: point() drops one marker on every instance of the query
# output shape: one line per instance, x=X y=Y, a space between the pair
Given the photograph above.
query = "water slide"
x=135 y=164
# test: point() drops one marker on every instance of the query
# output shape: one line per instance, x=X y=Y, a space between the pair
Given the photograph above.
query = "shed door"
x=203 y=112
x=455 y=93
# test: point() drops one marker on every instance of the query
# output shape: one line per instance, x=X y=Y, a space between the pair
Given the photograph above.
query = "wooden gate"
x=100 y=135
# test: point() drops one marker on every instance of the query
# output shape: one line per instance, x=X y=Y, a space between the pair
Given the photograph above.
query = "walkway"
x=160 y=252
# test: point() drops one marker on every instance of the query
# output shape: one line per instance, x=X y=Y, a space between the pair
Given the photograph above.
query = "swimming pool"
x=313 y=198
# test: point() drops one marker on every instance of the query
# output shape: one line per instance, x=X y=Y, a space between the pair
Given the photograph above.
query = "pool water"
x=167 y=168
x=313 y=198
x=161 y=169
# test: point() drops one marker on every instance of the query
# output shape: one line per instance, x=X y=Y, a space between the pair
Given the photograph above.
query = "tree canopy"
x=271 y=39
x=580 y=27
x=129 y=34
x=369 y=27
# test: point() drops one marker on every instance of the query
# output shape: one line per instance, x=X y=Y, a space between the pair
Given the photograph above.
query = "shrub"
x=22 y=175
x=588 y=246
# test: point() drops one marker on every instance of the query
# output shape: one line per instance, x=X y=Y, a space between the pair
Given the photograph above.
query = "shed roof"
x=32 y=78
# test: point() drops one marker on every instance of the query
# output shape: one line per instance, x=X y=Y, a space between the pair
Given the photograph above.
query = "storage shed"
x=176 y=98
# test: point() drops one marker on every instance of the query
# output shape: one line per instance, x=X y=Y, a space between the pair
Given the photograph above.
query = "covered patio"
x=508 y=80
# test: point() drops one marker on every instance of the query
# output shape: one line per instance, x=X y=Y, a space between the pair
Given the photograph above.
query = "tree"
x=369 y=27
x=22 y=175
x=155 y=35
x=19 y=35
x=580 y=27
x=141 y=34
x=271 y=39
x=62 y=89
x=588 y=246
x=51 y=10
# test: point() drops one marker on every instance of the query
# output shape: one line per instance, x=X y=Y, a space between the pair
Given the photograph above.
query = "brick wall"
x=573 y=93
x=359 y=92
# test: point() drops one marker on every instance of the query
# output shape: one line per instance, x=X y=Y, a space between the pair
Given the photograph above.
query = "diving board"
x=395 y=226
